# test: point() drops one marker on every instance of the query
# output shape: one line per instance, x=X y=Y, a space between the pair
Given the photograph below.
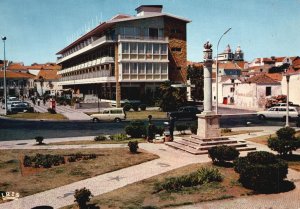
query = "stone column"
x=208 y=121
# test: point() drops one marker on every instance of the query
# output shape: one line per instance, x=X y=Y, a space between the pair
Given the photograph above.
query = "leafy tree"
x=82 y=196
x=195 y=75
x=285 y=141
x=279 y=69
x=170 y=97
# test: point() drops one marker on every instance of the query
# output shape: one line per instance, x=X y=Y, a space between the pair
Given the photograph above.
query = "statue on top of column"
x=207 y=56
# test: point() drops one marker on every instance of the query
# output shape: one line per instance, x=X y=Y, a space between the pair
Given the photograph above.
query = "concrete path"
x=169 y=160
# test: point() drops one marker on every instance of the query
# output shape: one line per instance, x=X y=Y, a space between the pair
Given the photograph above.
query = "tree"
x=195 y=75
x=82 y=196
x=285 y=141
x=170 y=97
x=279 y=69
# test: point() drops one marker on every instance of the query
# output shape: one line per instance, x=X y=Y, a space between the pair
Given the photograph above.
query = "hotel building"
x=127 y=56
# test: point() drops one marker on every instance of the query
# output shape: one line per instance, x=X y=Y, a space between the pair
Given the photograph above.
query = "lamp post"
x=287 y=99
x=4 y=77
x=217 y=71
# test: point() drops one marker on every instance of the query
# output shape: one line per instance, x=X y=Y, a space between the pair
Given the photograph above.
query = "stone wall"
x=177 y=59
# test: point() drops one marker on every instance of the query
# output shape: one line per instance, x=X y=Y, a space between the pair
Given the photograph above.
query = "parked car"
x=109 y=114
x=284 y=104
x=18 y=107
x=187 y=112
x=279 y=112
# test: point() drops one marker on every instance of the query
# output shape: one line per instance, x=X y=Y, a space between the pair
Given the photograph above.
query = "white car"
x=279 y=112
x=109 y=114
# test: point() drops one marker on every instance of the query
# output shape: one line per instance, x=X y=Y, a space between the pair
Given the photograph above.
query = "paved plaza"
x=168 y=160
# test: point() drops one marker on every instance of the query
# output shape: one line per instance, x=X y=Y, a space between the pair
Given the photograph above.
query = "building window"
x=163 y=48
x=141 y=48
x=268 y=91
x=176 y=49
x=133 y=68
x=178 y=68
x=153 y=32
x=125 y=68
x=156 y=69
x=125 y=48
x=141 y=68
x=149 y=48
x=164 y=68
x=133 y=48
x=175 y=30
x=149 y=68
x=231 y=89
x=155 y=48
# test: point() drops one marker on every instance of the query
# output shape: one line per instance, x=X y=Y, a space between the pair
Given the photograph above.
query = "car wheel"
x=261 y=117
x=95 y=120
x=117 y=120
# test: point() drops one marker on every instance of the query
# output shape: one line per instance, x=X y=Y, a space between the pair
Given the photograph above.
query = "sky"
x=37 y=29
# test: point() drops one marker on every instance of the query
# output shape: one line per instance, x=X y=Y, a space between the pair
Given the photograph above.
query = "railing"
x=101 y=73
x=152 y=38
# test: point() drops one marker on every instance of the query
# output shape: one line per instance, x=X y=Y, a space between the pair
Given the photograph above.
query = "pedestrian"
x=171 y=124
x=38 y=101
x=33 y=100
x=44 y=101
x=298 y=122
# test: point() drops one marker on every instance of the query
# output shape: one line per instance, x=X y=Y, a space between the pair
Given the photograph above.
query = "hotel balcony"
x=93 y=63
x=101 y=76
x=149 y=39
x=95 y=43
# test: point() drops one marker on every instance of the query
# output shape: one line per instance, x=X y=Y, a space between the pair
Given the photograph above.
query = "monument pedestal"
x=208 y=125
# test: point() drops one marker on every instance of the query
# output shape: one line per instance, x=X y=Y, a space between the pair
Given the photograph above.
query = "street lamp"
x=287 y=99
x=4 y=77
x=217 y=70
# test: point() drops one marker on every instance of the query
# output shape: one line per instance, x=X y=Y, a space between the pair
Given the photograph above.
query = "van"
x=109 y=114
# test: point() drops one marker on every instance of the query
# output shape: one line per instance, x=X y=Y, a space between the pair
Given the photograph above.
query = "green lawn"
x=38 y=116
x=142 y=115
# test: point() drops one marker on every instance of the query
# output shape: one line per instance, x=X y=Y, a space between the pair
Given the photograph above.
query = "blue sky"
x=37 y=29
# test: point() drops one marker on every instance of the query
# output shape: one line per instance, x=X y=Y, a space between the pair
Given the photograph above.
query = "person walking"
x=171 y=125
x=38 y=101
x=44 y=101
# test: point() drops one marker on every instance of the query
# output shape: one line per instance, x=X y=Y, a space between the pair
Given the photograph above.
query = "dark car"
x=187 y=112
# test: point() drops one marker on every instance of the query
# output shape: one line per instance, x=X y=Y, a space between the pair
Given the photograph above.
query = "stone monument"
x=208 y=121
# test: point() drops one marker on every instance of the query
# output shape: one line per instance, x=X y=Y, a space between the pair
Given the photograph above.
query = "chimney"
x=148 y=9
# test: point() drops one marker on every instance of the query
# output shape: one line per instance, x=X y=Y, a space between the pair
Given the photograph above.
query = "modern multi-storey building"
x=127 y=57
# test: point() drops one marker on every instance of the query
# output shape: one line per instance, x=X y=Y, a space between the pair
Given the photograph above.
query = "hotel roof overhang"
x=106 y=25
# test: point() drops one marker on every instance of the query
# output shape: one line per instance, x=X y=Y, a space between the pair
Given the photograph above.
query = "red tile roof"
x=275 y=76
x=229 y=66
x=47 y=74
x=10 y=74
x=16 y=67
x=261 y=79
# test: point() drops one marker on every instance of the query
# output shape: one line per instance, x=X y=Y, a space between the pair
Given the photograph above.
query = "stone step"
x=219 y=138
x=236 y=145
x=203 y=143
x=193 y=151
x=185 y=148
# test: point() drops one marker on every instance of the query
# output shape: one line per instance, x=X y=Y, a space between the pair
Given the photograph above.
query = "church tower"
x=239 y=54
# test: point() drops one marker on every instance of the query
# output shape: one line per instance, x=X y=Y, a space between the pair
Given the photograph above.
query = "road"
x=18 y=130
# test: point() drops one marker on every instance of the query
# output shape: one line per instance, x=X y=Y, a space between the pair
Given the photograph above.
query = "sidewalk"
x=168 y=160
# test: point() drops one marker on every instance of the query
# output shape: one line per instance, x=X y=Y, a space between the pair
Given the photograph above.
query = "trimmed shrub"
x=127 y=107
x=136 y=129
x=82 y=196
x=135 y=108
x=285 y=142
x=27 y=161
x=261 y=171
x=118 y=137
x=221 y=154
x=45 y=161
x=100 y=138
x=194 y=128
x=143 y=107
x=72 y=159
x=133 y=146
x=39 y=140
x=202 y=176
x=181 y=128
x=52 y=111
x=225 y=130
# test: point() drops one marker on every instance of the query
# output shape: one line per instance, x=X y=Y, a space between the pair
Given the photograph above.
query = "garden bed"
x=47 y=178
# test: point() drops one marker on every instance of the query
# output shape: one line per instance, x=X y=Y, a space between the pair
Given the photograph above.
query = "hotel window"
x=176 y=49
x=163 y=48
x=141 y=48
x=125 y=68
x=133 y=48
x=153 y=32
x=129 y=31
x=149 y=48
x=133 y=68
x=141 y=68
x=149 y=68
x=125 y=48
x=155 y=48
x=156 y=69
x=164 y=68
